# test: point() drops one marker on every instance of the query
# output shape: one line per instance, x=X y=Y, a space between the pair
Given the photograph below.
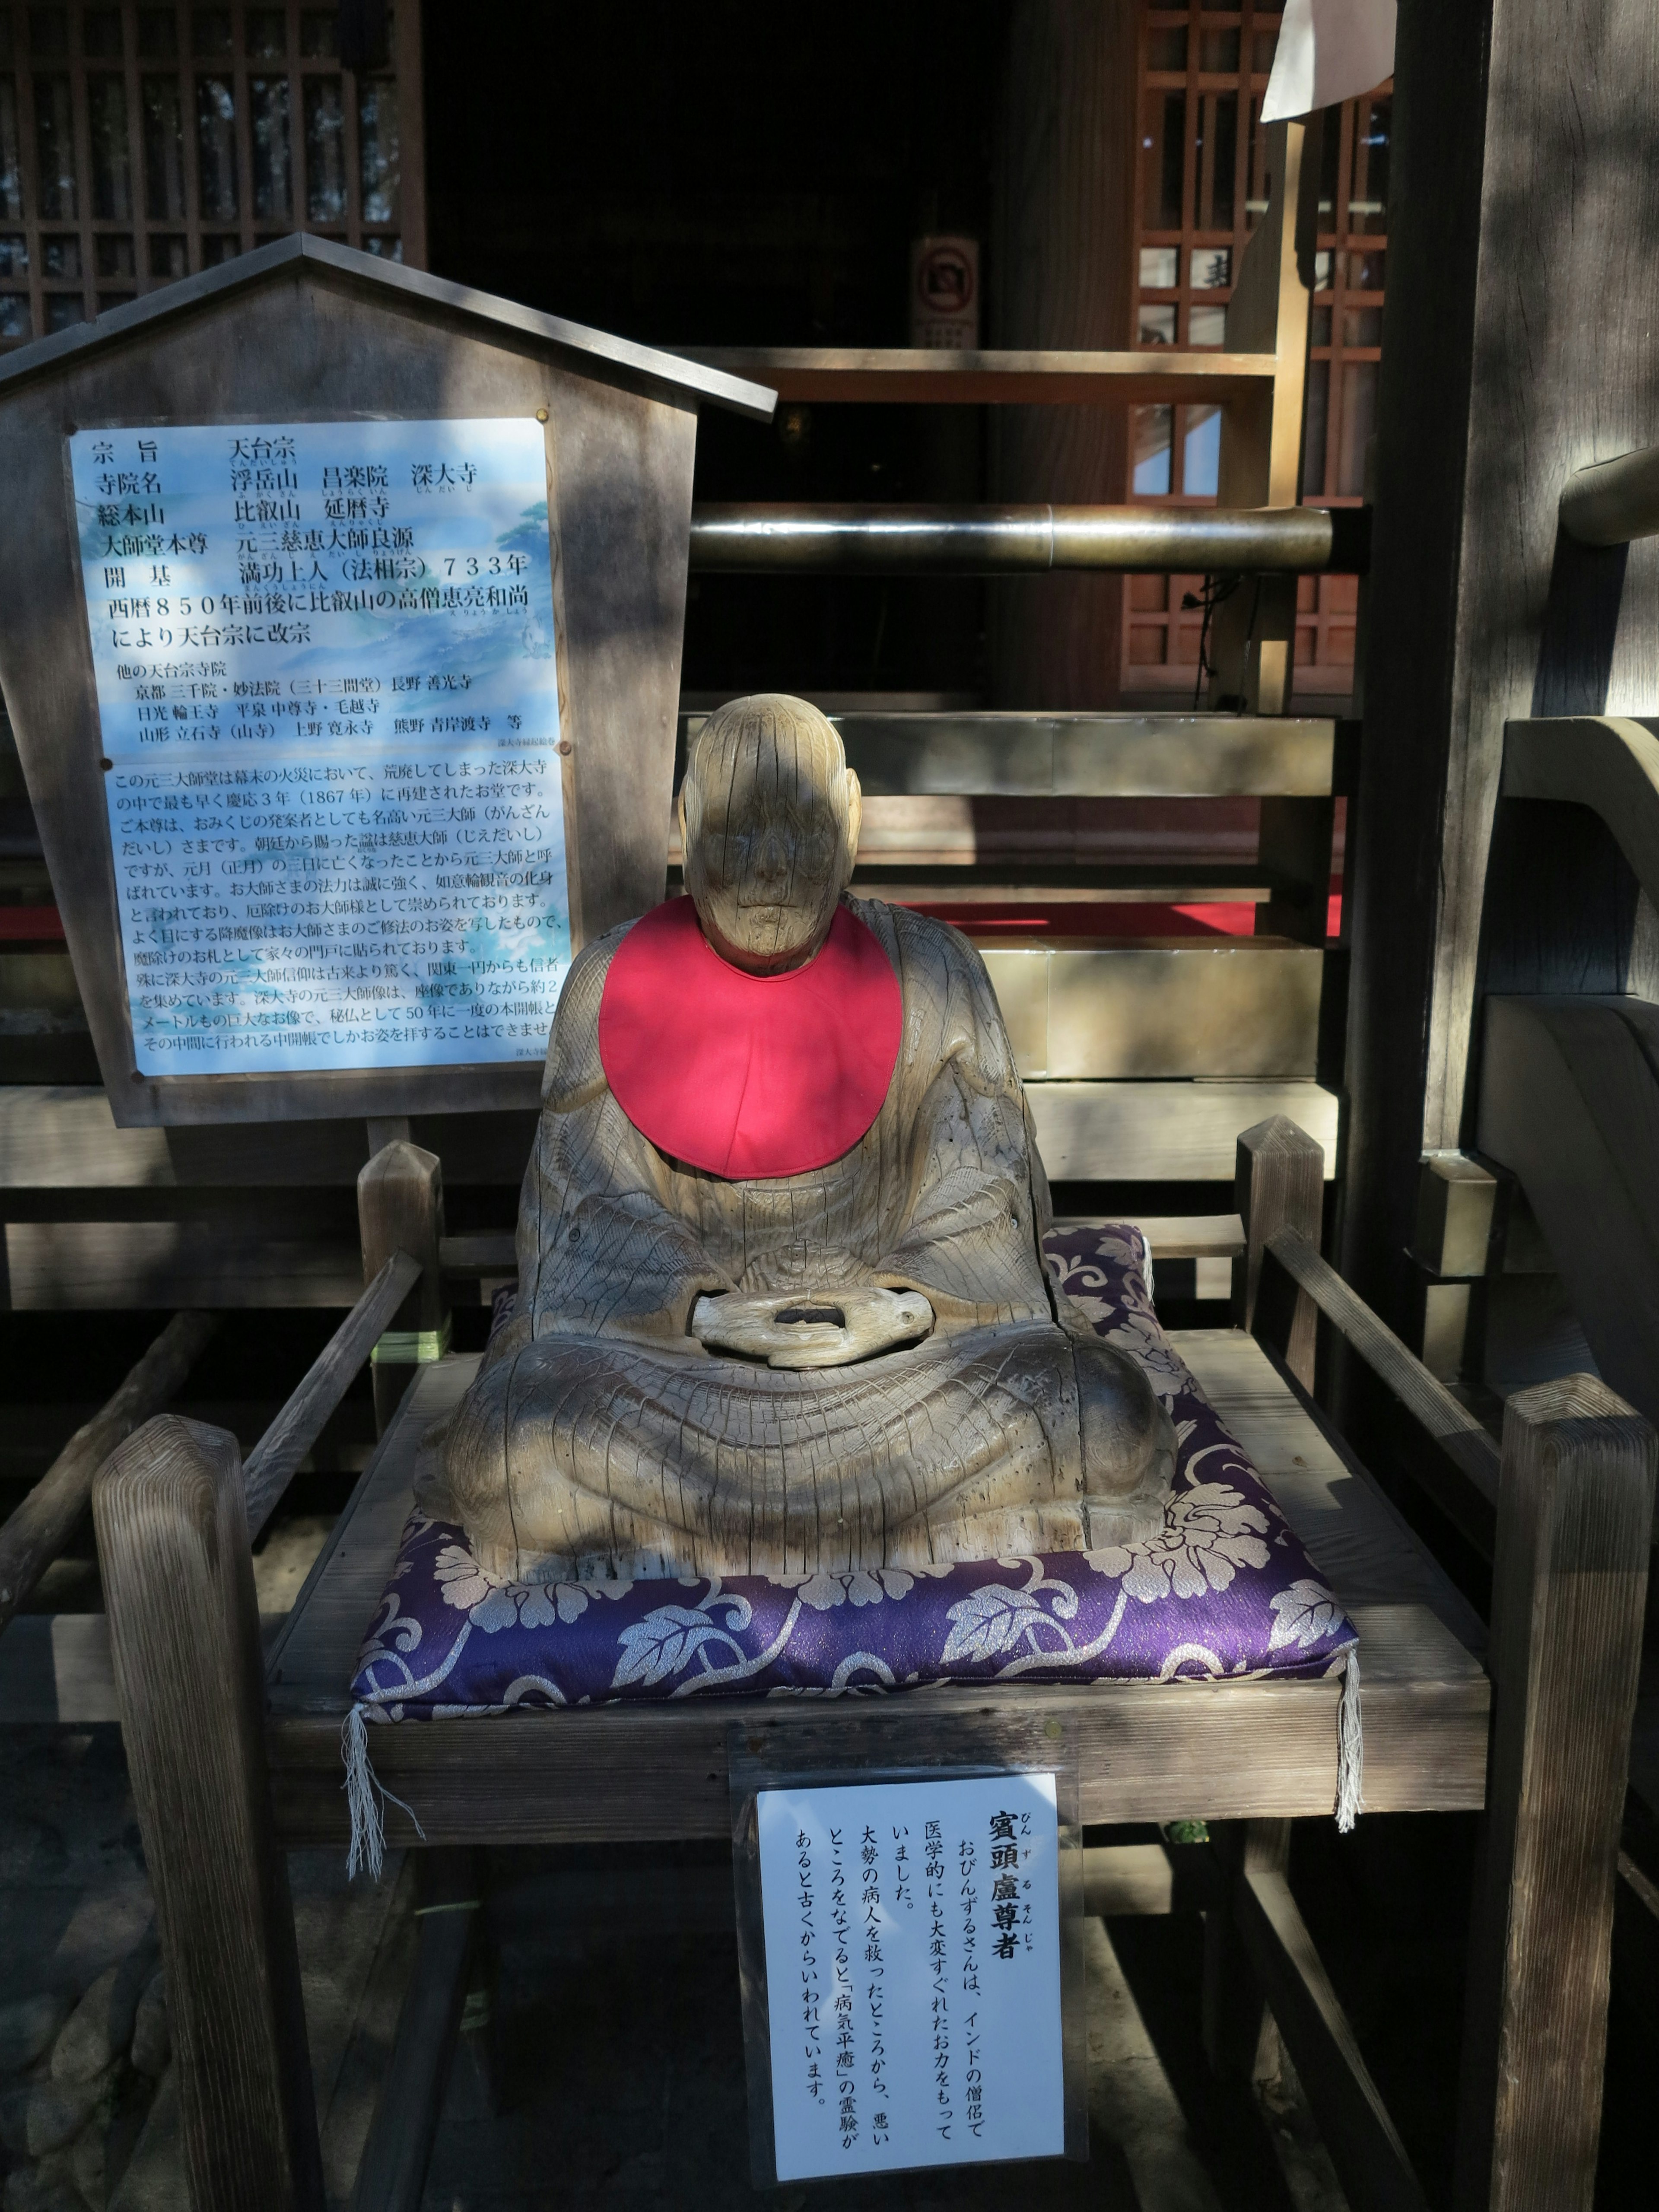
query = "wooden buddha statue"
x=782 y=1298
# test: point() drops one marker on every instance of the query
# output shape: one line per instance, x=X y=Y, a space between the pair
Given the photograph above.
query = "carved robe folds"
x=602 y=1437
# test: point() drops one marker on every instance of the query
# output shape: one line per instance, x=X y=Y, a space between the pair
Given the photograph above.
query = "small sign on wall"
x=944 y=293
x=907 y=2007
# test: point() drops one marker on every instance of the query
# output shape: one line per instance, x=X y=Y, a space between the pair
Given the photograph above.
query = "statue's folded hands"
x=813 y=1328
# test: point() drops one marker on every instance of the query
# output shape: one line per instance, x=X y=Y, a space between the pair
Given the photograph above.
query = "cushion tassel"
x=1349 y=1748
x=365 y=1795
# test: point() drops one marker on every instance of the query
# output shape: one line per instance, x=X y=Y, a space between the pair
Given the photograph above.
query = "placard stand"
x=909 y=1943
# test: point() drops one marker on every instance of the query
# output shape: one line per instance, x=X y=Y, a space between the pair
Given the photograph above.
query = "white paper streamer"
x=1329 y=51
x=1350 y=1749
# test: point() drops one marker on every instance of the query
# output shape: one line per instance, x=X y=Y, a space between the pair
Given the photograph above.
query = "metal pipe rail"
x=1613 y=501
x=991 y=541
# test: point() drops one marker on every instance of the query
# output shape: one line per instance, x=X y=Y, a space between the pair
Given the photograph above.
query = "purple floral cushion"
x=1223 y=1589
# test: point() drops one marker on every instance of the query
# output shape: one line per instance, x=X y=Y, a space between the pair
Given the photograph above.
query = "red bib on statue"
x=749 y=1075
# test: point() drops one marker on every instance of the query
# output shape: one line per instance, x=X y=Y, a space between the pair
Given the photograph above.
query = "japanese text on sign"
x=324 y=661
x=912 y=1973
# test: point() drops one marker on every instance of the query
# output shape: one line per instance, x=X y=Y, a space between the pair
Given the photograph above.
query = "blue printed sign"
x=324 y=661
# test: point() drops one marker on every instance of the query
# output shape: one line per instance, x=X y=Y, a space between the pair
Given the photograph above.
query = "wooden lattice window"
x=141 y=142
x=1200 y=186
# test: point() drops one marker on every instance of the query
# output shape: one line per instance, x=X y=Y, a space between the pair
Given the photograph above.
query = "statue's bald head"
x=769 y=824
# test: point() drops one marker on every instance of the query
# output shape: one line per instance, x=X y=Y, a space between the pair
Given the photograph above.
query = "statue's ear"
x=854 y=823
x=679 y=808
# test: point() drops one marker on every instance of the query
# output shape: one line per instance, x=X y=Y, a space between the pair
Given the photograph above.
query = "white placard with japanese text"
x=324 y=662
x=913 y=1974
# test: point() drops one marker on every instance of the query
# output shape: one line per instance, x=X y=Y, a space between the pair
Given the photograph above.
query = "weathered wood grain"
x=1521 y=308
x=1569 y=1585
x=184 y=1630
x=33 y=1536
x=274 y=1461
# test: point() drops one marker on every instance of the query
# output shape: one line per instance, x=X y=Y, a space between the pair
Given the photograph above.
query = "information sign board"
x=912 y=1937
x=325 y=660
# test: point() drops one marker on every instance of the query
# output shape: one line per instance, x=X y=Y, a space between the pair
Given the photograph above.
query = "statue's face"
x=770 y=821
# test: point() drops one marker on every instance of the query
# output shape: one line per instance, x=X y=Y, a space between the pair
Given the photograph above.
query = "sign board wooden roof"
x=479 y=515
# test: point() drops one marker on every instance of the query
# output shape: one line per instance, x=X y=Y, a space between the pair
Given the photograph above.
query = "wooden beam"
x=1459 y=1433
x=1370 y=2159
x=1568 y=1586
x=1174 y=1236
x=994 y=377
x=36 y=1533
x=274 y=1461
x=1521 y=314
x=185 y=1634
x=62 y=1138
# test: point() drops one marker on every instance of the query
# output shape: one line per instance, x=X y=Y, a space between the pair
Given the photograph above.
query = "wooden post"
x=1234 y=2016
x=1063 y=228
x=1253 y=632
x=392 y=2175
x=1569 y=1585
x=1279 y=1182
x=400 y=1207
x=183 y=1629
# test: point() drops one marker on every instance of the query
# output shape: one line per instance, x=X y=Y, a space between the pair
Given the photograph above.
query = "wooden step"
x=1115 y=756
x=1189 y=1006
x=1166 y=1132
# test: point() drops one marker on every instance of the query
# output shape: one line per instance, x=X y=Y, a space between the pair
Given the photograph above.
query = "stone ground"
x=617 y=2078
